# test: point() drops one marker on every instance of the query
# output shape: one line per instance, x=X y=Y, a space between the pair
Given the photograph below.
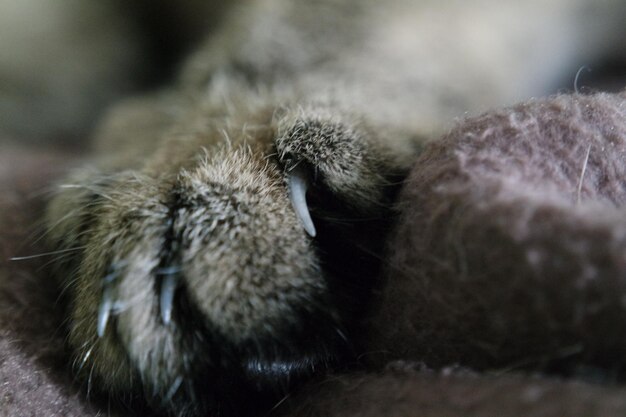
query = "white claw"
x=174 y=388
x=166 y=300
x=297 y=194
x=104 y=311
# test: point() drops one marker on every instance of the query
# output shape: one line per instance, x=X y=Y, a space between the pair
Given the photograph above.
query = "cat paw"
x=338 y=153
x=198 y=281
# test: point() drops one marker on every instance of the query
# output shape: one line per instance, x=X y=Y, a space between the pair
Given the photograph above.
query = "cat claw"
x=297 y=193
x=108 y=303
x=104 y=311
x=166 y=299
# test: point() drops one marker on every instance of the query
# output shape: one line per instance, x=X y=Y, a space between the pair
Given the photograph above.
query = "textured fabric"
x=34 y=381
x=454 y=393
x=511 y=247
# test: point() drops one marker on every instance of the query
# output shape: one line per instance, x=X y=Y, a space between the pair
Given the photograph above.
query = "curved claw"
x=166 y=298
x=108 y=304
x=104 y=311
x=297 y=193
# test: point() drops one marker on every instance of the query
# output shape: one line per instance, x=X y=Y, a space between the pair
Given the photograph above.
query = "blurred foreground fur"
x=224 y=242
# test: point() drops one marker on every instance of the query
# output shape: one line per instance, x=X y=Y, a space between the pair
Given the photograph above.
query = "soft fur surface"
x=493 y=229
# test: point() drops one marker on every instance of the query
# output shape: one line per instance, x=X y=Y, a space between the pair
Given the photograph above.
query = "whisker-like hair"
x=46 y=192
x=577 y=77
x=582 y=175
x=280 y=402
x=90 y=380
x=85 y=358
x=50 y=227
x=67 y=284
x=94 y=189
x=40 y=255
x=55 y=260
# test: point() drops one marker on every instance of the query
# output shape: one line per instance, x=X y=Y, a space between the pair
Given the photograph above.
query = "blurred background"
x=63 y=61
